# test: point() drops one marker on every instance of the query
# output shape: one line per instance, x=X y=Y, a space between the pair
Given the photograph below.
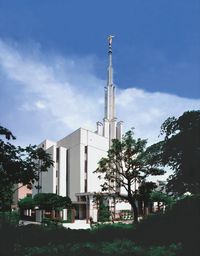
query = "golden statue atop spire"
x=110 y=37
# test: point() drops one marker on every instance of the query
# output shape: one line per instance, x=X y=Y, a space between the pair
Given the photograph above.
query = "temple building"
x=76 y=156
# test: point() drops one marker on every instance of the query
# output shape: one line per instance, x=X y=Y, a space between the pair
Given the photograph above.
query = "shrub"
x=117 y=248
x=103 y=213
x=9 y=218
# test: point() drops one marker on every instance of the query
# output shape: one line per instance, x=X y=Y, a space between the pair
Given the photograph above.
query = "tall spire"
x=110 y=69
x=110 y=88
x=110 y=128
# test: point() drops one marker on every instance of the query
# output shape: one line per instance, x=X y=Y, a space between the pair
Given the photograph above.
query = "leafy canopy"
x=181 y=151
x=19 y=165
x=128 y=162
x=50 y=201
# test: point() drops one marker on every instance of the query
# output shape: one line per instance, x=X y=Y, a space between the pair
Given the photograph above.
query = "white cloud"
x=147 y=111
x=58 y=95
x=40 y=105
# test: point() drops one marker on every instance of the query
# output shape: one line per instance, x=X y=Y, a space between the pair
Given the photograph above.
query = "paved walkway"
x=78 y=224
x=26 y=222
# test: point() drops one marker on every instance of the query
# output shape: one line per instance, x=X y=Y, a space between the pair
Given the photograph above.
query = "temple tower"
x=111 y=129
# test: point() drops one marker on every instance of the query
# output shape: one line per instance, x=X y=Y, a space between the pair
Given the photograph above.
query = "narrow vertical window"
x=86 y=169
x=67 y=172
x=57 y=154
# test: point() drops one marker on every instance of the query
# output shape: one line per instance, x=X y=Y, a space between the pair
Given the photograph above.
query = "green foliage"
x=6 y=196
x=181 y=151
x=188 y=206
x=50 y=201
x=172 y=250
x=47 y=250
x=46 y=221
x=103 y=213
x=19 y=165
x=101 y=226
x=158 y=196
x=128 y=161
x=180 y=224
x=174 y=233
x=122 y=247
x=118 y=248
x=51 y=223
x=145 y=190
x=7 y=218
x=126 y=215
x=69 y=216
x=26 y=203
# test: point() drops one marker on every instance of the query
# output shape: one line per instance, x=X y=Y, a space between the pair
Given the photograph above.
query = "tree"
x=126 y=164
x=19 y=165
x=50 y=201
x=26 y=203
x=162 y=198
x=144 y=196
x=101 y=201
x=181 y=152
x=103 y=212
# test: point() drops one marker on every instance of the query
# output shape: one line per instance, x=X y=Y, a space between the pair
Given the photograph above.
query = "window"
x=67 y=171
x=85 y=168
x=57 y=154
x=85 y=185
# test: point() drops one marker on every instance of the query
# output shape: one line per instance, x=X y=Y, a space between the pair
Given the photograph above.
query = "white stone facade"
x=76 y=157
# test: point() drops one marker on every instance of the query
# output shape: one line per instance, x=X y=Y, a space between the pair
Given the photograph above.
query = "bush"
x=103 y=213
x=9 y=218
x=126 y=215
x=46 y=221
x=114 y=226
x=26 y=203
x=181 y=224
x=117 y=248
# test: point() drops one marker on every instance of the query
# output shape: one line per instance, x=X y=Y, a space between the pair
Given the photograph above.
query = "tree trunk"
x=140 y=208
x=135 y=212
x=132 y=202
x=146 y=208
x=158 y=206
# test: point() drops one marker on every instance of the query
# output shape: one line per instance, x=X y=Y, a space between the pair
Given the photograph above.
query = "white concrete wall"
x=106 y=128
x=46 y=144
x=72 y=143
x=62 y=172
x=74 y=172
x=123 y=206
x=97 y=148
x=112 y=130
x=71 y=140
x=94 y=156
x=49 y=178
x=75 y=143
x=82 y=167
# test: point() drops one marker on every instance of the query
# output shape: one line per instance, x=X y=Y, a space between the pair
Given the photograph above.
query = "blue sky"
x=53 y=61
